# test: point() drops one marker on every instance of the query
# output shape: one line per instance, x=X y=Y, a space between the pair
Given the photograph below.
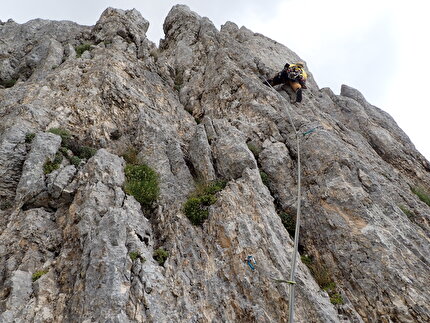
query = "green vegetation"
x=63 y=133
x=29 y=137
x=86 y=152
x=160 y=255
x=254 y=149
x=75 y=160
x=406 y=211
x=289 y=222
x=81 y=49
x=336 y=299
x=323 y=278
x=5 y=204
x=264 y=178
x=38 y=274
x=422 y=194
x=9 y=83
x=142 y=183
x=130 y=156
x=197 y=206
x=50 y=166
x=134 y=255
x=69 y=143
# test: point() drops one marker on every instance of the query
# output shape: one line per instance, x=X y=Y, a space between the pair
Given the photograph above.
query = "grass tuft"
x=38 y=274
x=422 y=194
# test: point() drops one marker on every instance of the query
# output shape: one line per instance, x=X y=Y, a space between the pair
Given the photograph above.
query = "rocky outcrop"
x=75 y=246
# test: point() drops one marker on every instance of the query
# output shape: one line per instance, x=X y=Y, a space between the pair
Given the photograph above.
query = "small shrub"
x=81 y=49
x=63 y=133
x=306 y=259
x=38 y=274
x=64 y=151
x=196 y=208
x=289 y=222
x=134 y=255
x=406 y=211
x=142 y=183
x=75 y=160
x=130 y=156
x=5 y=204
x=161 y=255
x=86 y=152
x=254 y=149
x=50 y=166
x=29 y=137
x=336 y=299
x=264 y=178
x=422 y=194
x=9 y=83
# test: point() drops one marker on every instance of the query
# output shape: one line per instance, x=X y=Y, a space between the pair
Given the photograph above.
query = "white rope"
x=291 y=282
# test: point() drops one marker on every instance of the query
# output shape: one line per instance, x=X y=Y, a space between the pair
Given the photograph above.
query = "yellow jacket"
x=298 y=70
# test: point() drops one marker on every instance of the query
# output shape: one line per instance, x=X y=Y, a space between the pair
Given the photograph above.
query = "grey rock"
x=200 y=154
x=32 y=182
x=363 y=228
x=230 y=152
x=59 y=180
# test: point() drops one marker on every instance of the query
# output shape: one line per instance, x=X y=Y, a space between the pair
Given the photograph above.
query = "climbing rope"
x=291 y=281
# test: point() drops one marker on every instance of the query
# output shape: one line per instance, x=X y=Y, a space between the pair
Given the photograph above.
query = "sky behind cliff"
x=379 y=47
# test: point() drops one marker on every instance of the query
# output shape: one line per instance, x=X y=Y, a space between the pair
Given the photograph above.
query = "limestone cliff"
x=75 y=247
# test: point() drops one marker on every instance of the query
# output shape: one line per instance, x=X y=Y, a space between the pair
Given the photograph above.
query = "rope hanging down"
x=291 y=282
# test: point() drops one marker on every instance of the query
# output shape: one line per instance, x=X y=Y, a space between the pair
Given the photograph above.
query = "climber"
x=294 y=75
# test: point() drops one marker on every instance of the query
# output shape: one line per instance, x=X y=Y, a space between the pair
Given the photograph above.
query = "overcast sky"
x=380 y=47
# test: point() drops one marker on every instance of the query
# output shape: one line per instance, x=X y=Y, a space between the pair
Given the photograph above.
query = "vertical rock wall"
x=75 y=247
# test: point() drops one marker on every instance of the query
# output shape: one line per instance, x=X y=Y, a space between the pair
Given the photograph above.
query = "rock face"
x=75 y=247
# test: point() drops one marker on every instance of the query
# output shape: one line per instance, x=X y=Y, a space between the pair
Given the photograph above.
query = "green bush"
x=29 y=137
x=75 y=160
x=5 y=204
x=336 y=299
x=63 y=133
x=289 y=222
x=406 y=211
x=254 y=149
x=38 y=274
x=81 y=49
x=161 y=255
x=264 y=178
x=50 y=166
x=142 y=183
x=134 y=255
x=196 y=208
x=130 y=156
x=9 y=83
x=422 y=194
x=86 y=152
